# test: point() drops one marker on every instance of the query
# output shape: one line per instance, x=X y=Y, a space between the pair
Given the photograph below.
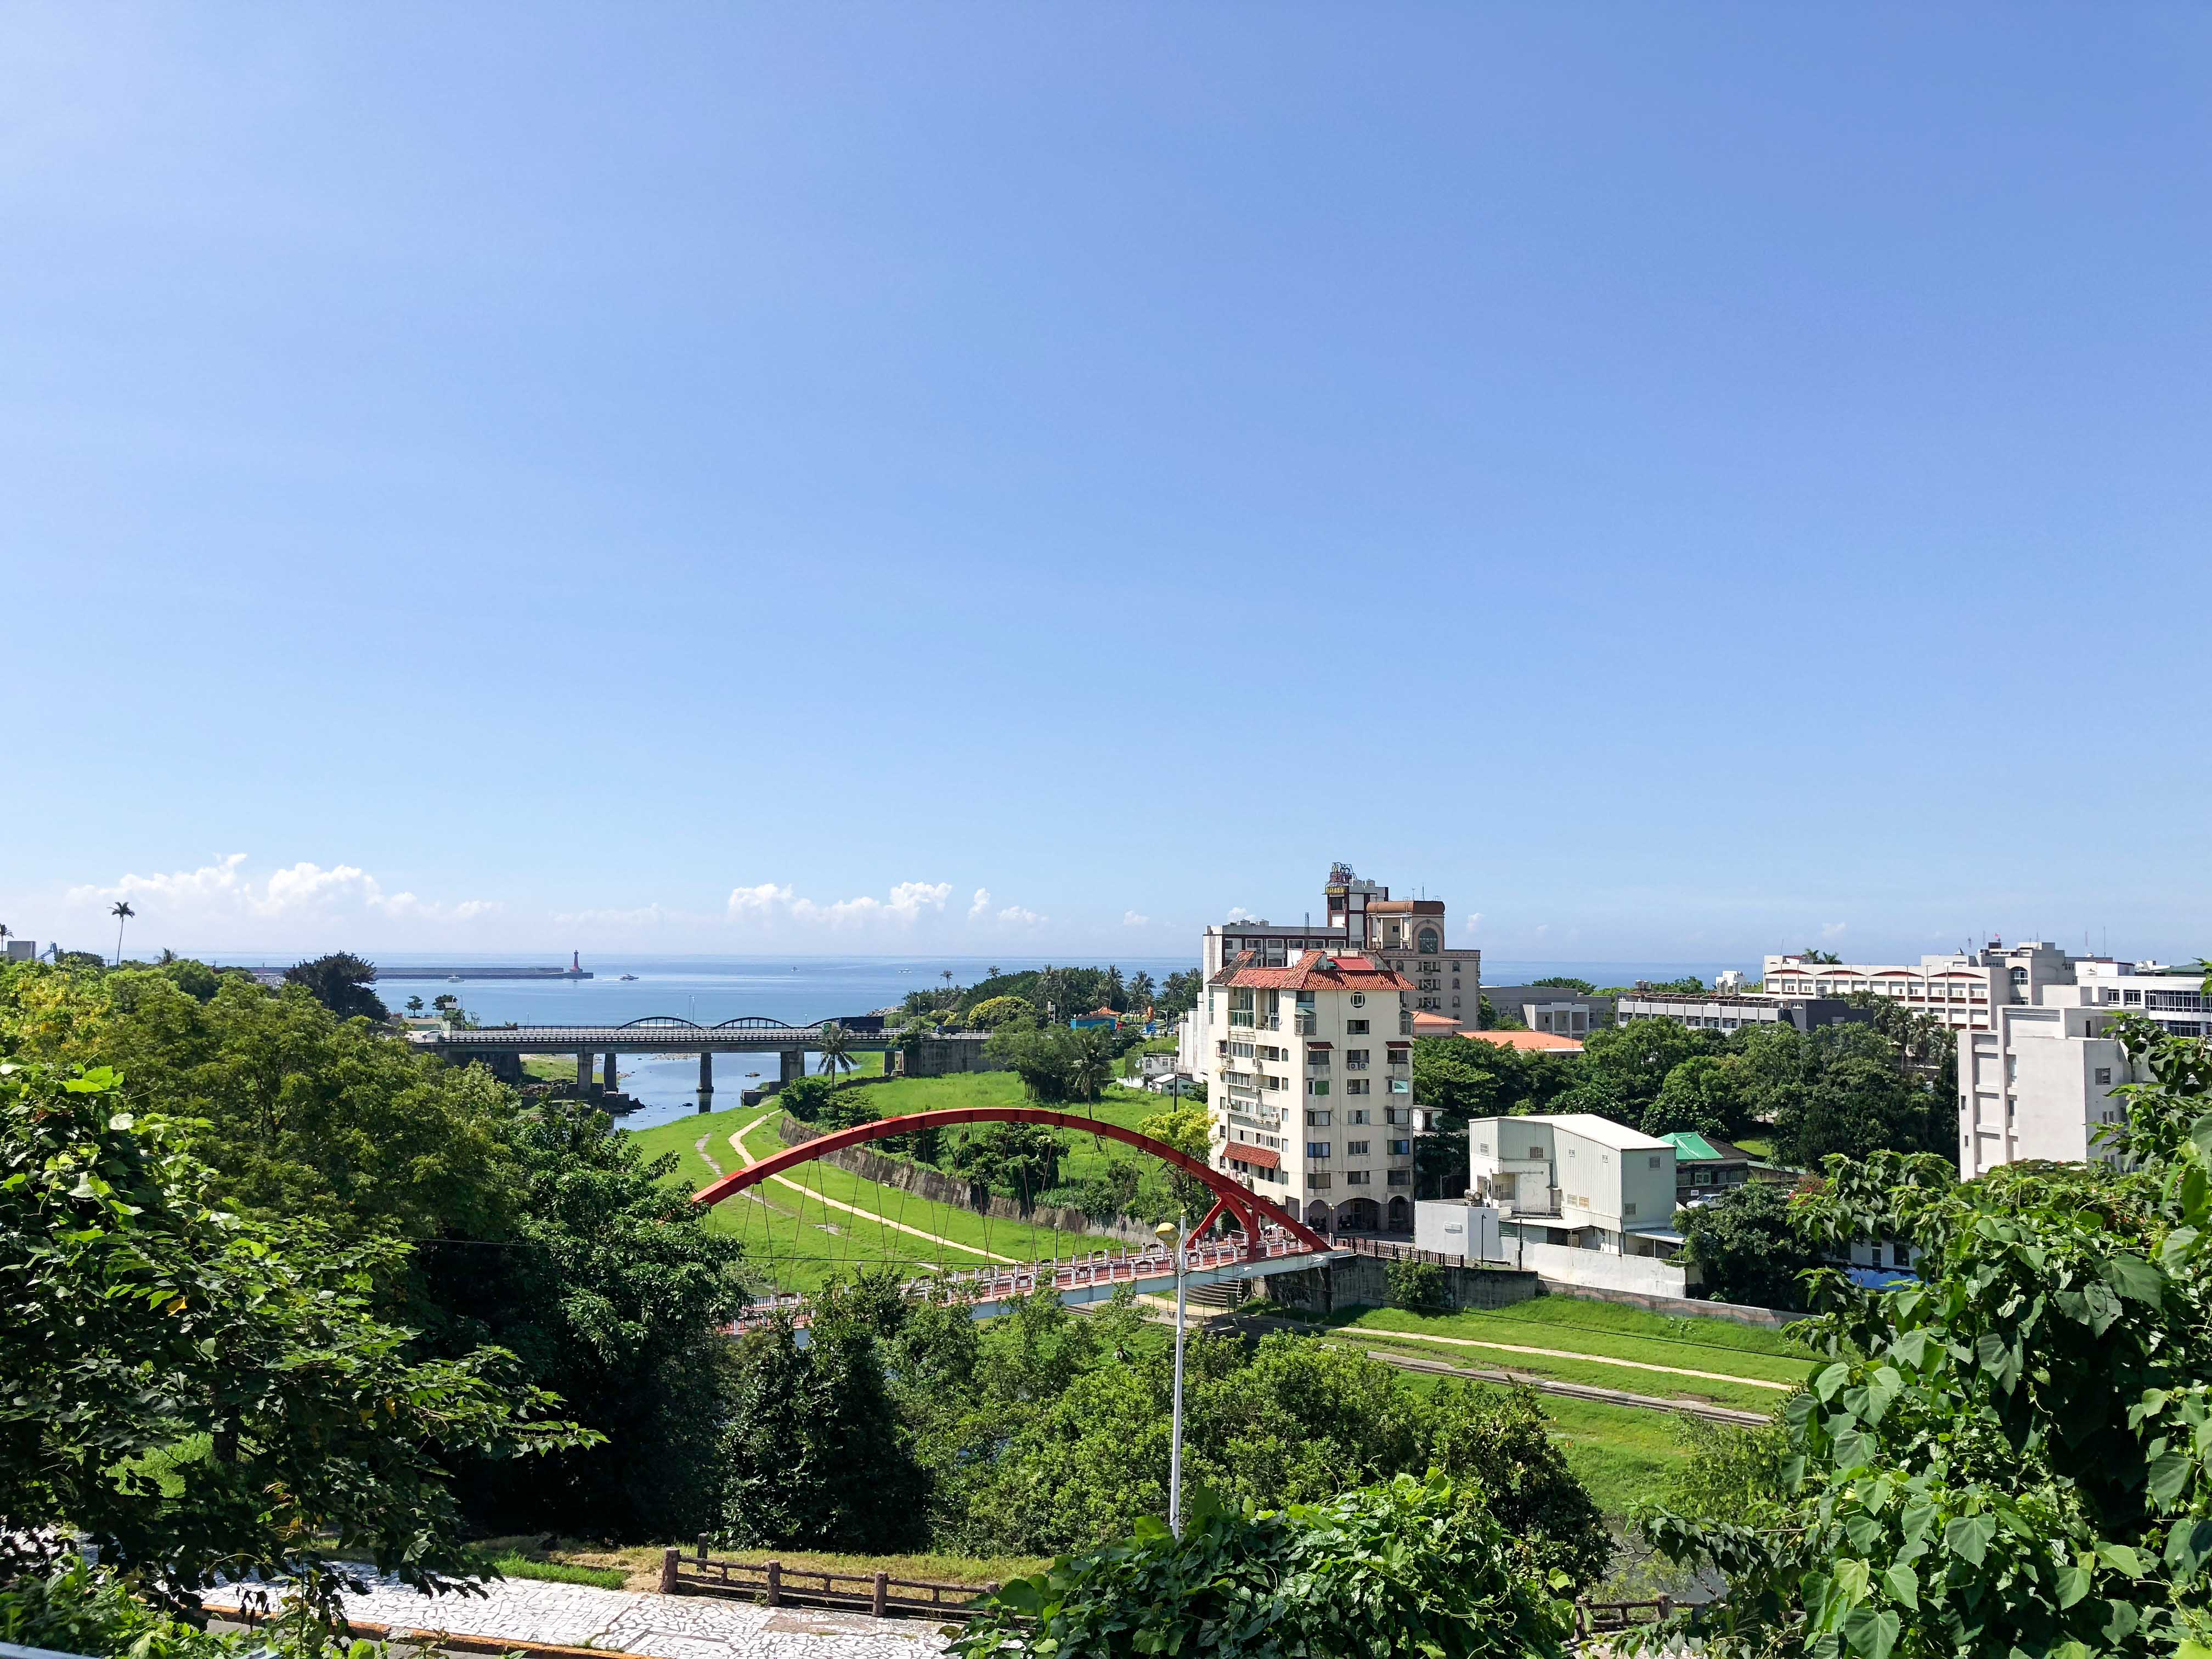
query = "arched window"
x=1429 y=943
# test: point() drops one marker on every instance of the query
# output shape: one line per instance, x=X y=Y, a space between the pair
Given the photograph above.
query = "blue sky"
x=1673 y=481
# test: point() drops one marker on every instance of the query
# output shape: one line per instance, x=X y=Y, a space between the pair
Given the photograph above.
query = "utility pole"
x=1176 y=1232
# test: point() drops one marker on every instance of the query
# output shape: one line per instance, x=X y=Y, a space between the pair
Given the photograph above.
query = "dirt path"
x=1568 y=1353
x=738 y=1144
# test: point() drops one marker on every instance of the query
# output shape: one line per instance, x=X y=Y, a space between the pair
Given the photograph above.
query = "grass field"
x=797 y=1239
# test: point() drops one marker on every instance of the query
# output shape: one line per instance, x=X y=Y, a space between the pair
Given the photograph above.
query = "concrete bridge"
x=659 y=1034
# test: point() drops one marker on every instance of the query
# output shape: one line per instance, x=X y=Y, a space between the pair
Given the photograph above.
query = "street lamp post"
x=1174 y=1231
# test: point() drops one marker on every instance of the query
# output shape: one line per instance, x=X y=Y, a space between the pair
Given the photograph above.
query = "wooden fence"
x=776 y=1585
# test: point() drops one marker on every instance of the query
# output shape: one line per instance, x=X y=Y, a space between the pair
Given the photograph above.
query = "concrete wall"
x=1740 y=1313
x=1602 y=1269
x=1363 y=1281
x=943 y=1057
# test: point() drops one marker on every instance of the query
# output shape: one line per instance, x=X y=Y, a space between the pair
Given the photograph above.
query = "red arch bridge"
x=1242 y=1236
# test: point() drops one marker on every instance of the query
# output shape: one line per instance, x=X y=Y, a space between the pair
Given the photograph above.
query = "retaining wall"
x=1363 y=1281
x=942 y=1188
x=1602 y=1270
x=1770 y=1319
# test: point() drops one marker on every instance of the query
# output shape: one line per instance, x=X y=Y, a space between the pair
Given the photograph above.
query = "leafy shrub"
x=803 y=1097
x=1402 y=1569
x=995 y=1012
x=1416 y=1286
x=75 y=1608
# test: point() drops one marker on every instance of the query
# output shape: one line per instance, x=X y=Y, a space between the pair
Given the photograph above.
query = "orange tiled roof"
x=1348 y=972
x=1549 y=1041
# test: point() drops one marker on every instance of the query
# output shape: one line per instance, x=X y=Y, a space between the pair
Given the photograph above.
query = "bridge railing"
x=775 y=1585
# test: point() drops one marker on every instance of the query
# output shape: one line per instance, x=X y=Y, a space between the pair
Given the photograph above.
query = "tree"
x=197 y=1392
x=805 y=1098
x=1020 y=1160
x=1189 y=1130
x=122 y=912
x=414 y=1005
x=1116 y=993
x=1416 y=1286
x=995 y=1012
x=1405 y=1568
x=445 y=1003
x=1706 y=1093
x=1858 y=1106
x=340 y=982
x=1044 y=1057
x=1180 y=992
x=2003 y=1455
x=1624 y=1067
x=1812 y=959
x=835 y=1047
x=1568 y=982
x=614 y=1289
x=1142 y=990
x=1092 y=1066
x=1497 y=1446
x=1748 y=1246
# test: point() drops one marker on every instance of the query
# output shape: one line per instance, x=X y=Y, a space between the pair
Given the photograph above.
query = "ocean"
x=799 y=990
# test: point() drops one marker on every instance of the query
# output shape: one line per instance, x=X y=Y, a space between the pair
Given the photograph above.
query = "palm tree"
x=122 y=912
x=1141 y=989
x=1093 y=1064
x=414 y=1004
x=835 y=1047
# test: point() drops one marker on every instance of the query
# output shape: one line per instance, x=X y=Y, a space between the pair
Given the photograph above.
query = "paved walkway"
x=528 y=1611
x=1381 y=1332
x=738 y=1146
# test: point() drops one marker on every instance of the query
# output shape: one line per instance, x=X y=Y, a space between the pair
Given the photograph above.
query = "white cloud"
x=1238 y=913
x=909 y=902
x=1832 y=929
x=982 y=907
x=223 y=890
x=1014 y=916
x=1131 y=919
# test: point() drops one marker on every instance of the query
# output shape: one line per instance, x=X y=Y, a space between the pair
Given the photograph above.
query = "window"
x=1241 y=1050
x=1397 y=1115
x=1900 y=1255
x=2104 y=1076
x=1317 y=1149
x=1356 y=1059
x=1357 y=1177
x=1654 y=1160
x=2133 y=999
x=1318 y=1182
x=1428 y=942
x=1355 y=1148
x=1399 y=1086
x=1398 y=1177
x=1317 y=1119
x=1269 y=1081
x=1359 y=1116
x=1357 y=1085
x=1317 y=1085
x=1359 y=999
x=1355 y=1027
x=1455 y=985
x=2019 y=976
x=1401 y=1148
x=1535 y=1151
x=1628 y=1208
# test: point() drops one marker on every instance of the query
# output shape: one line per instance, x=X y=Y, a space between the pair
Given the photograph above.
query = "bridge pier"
x=706 y=1079
x=583 y=1070
x=607 y=1072
x=793 y=1065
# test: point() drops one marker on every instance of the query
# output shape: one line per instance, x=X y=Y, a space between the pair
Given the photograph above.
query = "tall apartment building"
x=1408 y=935
x=1961 y=989
x=1310 y=1086
x=2040 y=1080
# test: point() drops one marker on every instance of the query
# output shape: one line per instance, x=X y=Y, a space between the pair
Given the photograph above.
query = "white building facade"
x=1309 y=1087
x=1962 y=989
x=2041 y=1081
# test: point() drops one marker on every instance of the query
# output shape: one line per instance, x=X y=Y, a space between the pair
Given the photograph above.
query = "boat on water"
x=453 y=979
x=629 y=975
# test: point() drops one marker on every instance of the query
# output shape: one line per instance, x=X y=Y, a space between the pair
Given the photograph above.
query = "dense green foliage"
x=340 y=982
x=532 y=1227
x=1749 y=1247
x=1848 y=1089
x=196 y=1391
x=1416 y=1287
x=2013 y=1454
x=1056 y=1064
x=1044 y=1432
x=69 y=1607
x=1401 y=1568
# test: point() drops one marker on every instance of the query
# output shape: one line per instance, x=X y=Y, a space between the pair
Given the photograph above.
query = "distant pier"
x=384 y=973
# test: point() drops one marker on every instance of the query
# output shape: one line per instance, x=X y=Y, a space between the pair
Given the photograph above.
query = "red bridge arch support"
x=1230 y=1198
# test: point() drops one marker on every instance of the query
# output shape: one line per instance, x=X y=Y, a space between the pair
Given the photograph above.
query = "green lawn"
x=1589 y=1374
x=797 y=1239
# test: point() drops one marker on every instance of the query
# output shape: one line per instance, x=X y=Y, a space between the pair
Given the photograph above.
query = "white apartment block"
x=1310 y=1086
x=1961 y=989
x=1575 y=1180
x=1360 y=917
x=2041 y=1080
